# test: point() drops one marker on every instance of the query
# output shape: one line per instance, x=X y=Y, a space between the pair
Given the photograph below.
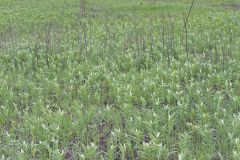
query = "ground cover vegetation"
x=119 y=79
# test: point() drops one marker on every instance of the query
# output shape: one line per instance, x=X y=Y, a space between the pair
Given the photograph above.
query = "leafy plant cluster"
x=120 y=88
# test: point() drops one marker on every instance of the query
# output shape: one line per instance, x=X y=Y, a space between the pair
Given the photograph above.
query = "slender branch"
x=189 y=12
x=186 y=29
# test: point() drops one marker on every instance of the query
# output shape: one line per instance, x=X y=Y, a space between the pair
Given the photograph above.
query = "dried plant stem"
x=186 y=30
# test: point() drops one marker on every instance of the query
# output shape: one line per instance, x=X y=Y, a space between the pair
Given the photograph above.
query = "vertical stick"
x=1 y=41
x=36 y=55
x=163 y=35
x=48 y=43
x=186 y=29
x=172 y=34
x=230 y=42
x=223 y=56
x=82 y=8
x=85 y=37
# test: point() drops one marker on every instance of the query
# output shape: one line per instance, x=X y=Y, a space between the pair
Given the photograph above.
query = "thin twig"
x=186 y=29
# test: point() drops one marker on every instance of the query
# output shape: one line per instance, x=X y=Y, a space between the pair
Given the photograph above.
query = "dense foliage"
x=117 y=80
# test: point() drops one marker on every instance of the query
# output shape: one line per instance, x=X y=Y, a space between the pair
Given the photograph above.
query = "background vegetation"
x=119 y=79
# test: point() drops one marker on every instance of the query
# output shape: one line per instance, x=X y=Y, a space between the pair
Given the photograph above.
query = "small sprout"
x=131 y=119
x=21 y=150
x=157 y=134
x=145 y=144
x=137 y=131
x=222 y=121
x=154 y=114
x=44 y=127
x=82 y=156
x=7 y=134
x=230 y=135
x=3 y=107
x=61 y=112
x=237 y=141
x=57 y=128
